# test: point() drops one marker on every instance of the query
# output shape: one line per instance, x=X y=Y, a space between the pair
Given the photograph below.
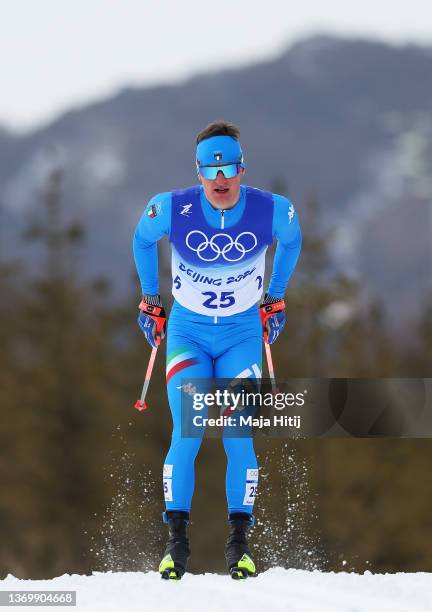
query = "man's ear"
x=199 y=177
x=242 y=171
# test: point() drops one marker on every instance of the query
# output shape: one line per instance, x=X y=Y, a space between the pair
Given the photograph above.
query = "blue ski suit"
x=214 y=329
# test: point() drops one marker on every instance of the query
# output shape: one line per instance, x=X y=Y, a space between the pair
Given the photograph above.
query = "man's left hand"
x=272 y=314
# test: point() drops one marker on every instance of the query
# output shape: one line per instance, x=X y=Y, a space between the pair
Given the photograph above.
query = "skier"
x=219 y=233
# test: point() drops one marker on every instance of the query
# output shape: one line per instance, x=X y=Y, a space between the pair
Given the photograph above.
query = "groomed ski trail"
x=272 y=591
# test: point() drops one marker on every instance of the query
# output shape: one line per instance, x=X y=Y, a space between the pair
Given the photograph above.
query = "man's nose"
x=220 y=176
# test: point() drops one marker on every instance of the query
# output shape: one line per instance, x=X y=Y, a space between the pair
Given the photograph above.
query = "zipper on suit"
x=222 y=227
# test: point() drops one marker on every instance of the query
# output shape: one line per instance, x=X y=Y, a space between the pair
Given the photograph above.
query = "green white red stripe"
x=179 y=360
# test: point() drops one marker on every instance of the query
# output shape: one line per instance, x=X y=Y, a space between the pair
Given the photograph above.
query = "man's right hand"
x=152 y=319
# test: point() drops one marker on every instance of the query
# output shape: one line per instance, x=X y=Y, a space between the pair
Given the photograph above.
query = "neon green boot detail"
x=167 y=569
x=247 y=564
x=166 y=563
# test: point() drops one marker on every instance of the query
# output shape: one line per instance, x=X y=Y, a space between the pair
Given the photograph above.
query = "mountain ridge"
x=348 y=120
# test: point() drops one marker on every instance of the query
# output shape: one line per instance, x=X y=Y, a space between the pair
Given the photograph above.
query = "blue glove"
x=152 y=319
x=272 y=313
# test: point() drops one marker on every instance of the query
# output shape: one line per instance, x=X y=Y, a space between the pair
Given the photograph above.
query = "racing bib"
x=219 y=271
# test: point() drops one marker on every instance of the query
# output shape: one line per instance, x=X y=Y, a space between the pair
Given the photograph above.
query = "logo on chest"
x=186 y=210
x=221 y=245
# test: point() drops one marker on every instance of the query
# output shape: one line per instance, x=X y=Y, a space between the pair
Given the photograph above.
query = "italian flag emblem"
x=152 y=211
x=179 y=360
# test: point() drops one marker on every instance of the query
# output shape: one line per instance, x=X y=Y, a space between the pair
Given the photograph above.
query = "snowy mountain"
x=347 y=120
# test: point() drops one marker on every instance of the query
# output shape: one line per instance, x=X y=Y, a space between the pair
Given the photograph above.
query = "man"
x=219 y=233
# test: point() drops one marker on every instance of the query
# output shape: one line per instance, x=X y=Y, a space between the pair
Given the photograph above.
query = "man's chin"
x=223 y=197
x=223 y=202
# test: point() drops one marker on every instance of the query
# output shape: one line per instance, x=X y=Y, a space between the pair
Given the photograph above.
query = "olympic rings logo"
x=221 y=244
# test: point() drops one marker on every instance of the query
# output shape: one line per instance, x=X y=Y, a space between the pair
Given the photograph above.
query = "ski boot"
x=173 y=564
x=237 y=553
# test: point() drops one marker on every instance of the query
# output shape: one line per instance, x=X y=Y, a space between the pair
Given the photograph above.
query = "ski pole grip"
x=268 y=310
x=157 y=313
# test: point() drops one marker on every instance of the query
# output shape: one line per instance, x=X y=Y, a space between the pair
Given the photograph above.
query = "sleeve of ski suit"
x=153 y=225
x=286 y=230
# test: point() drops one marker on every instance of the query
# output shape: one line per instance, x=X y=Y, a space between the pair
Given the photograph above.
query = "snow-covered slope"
x=273 y=591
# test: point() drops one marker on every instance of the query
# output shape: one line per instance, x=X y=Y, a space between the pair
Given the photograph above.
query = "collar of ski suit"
x=231 y=215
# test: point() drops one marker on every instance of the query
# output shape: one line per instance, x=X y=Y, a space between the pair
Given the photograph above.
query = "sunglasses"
x=211 y=172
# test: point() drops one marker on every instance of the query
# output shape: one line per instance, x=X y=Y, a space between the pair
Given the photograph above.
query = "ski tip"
x=171 y=574
x=240 y=573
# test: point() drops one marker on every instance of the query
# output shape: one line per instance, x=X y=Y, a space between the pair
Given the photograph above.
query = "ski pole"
x=266 y=311
x=157 y=313
x=270 y=365
x=141 y=404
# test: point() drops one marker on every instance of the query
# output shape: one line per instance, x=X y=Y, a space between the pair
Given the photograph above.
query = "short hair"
x=219 y=128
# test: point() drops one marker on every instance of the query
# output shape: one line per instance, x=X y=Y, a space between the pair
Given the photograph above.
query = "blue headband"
x=219 y=149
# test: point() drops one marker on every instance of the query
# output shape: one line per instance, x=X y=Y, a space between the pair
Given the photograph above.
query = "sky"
x=56 y=55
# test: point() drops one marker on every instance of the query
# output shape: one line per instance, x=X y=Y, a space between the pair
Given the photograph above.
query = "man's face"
x=222 y=192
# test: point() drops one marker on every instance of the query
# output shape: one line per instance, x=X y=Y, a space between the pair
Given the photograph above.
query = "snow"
x=274 y=590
